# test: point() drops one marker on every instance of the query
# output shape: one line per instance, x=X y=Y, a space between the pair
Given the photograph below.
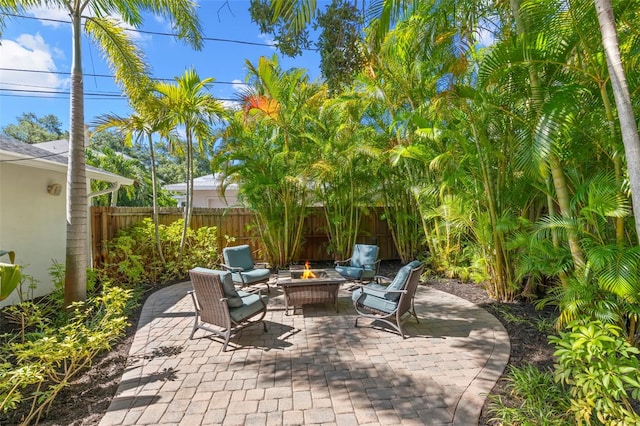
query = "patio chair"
x=220 y=308
x=244 y=271
x=389 y=303
x=362 y=265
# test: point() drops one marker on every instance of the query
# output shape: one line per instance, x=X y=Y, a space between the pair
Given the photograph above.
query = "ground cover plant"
x=45 y=348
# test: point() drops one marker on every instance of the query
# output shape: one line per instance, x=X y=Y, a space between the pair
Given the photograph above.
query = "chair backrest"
x=238 y=257
x=364 y=254
x=405 y=302
x=209 y=295
x=228 y=287
x=402 y=279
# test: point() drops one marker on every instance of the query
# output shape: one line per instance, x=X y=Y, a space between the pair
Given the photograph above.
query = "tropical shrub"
x=602 y=370
x=133 y=256
x=45 y=358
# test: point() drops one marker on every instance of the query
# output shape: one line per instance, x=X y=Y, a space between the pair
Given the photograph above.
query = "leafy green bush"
x=133 y=257
x=538 y=399
x=603 y=371
x=38 y=366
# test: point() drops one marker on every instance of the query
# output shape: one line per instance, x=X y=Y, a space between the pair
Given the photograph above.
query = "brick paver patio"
x=313 y=367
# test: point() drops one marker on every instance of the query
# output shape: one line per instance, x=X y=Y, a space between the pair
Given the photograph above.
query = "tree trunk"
x=154 y=192
x=189 y=195
x=75 y=282
x=628 y=126
x=555 y=165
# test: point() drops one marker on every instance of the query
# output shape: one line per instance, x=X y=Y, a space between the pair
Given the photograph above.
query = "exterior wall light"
x=54 y=189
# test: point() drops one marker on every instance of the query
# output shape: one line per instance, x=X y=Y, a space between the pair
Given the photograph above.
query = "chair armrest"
x=232 y=268
x=261 y=265
x=342 y=262
x=193 y=295
x=376 y=265
x=381 y=279
x=373 y=291
x=396 y=291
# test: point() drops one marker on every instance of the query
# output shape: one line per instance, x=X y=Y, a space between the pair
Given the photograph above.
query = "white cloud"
x=50 y=17
x=238 y=85
x=231 y=105
x=267 y=39
x=29 y=52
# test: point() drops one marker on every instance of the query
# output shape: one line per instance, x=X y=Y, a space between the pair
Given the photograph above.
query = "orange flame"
x=307 y=272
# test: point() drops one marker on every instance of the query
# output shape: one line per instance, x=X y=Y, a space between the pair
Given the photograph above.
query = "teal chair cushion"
x=364 y=255
x=234 y=300
x=374 y=300
x=252 y=276
x=250 y=304
x=356 y=273
x=400 y=280
x=238 y=257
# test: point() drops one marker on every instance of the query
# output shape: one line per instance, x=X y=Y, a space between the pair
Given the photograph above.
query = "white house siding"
x=206 y=193
x=32 y=222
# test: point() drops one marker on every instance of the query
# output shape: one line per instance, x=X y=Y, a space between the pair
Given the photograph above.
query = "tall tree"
x=96 y=18
x=265 y=148
x=145 y=123
x=187 y=105
x=32 y=129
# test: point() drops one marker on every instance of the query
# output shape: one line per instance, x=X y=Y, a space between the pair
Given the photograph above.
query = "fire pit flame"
x=307 y=273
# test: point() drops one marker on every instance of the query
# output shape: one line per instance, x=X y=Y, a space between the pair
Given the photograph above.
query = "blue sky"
x=44 y=46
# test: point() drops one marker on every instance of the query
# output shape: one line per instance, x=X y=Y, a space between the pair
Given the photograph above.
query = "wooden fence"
x=107 y=221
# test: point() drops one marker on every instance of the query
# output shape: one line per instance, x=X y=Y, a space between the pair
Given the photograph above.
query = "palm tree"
x=265 y=148
x=343 y=169
x=130 y=71
x=136 y=126
x=187 y=104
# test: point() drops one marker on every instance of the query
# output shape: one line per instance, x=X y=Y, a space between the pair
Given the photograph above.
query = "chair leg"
x=195 y=326
x=227 y=337
x=398 y=325
x=413 y=311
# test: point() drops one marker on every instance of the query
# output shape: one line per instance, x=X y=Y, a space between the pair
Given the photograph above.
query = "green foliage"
x=133 y=258
x=107 y=151
x=54 y=350
x=289 y=40
x=536 y=399
x=266 y=151
x=10 y=279
x=342 y=50
x=602 y=370
x=33 y=129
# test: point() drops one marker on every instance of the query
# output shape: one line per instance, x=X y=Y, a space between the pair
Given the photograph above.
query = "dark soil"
x=87 y=400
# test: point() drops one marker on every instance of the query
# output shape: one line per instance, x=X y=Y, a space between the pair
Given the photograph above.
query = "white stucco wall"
x=213 y=199
x=32 y=222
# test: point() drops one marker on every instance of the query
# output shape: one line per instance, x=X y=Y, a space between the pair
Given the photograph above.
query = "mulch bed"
x=87 y=400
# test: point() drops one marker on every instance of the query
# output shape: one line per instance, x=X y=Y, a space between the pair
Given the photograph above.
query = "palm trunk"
x=189 y=195
x=628 y=126
x=559 y=178
x=75 y=282
x=154 y=184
